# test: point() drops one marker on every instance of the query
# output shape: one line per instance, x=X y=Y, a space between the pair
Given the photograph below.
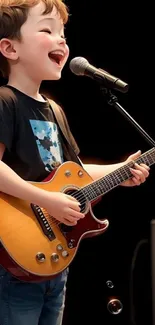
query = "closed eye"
x=46 y=31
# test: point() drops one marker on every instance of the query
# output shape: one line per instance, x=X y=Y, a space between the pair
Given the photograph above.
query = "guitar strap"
x=70 y=147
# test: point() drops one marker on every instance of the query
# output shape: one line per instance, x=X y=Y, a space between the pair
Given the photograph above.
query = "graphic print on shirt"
x=47 y=139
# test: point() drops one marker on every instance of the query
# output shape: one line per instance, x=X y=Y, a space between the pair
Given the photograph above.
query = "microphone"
x=81 y=67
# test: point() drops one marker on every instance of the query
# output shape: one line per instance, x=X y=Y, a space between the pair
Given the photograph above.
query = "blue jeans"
x=23 y=303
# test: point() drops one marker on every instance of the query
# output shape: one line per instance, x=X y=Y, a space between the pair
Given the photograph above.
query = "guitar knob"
x=65 y=253
x=41 y=257
x=59 y=247
x=67 y=173
x=55 y=257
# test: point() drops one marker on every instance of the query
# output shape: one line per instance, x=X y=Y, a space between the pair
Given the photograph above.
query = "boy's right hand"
x=64 y=208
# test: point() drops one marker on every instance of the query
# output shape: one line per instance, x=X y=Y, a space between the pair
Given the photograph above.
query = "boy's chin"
x=55 y=76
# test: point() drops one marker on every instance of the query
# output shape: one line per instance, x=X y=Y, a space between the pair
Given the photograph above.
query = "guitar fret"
x=106 y=185
x=151 y=159
x=112 y=180
x=117 y=176
x=126 y=173
x=94 y=190
x=89 y=192
x=147 y=159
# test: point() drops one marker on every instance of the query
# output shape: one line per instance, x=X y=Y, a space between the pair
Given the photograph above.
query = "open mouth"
x=57 y=58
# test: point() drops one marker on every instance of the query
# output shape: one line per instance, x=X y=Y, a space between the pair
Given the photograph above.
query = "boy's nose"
x=62 y=40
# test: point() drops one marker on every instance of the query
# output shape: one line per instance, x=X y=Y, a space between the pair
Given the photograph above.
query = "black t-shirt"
x=30 y=133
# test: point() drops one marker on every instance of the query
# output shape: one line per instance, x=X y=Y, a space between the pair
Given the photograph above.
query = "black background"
x=117 y=38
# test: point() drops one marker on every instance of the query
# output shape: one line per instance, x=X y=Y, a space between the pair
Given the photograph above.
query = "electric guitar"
x=35 y=246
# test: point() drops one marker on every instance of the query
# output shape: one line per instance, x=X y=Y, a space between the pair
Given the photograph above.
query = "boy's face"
x=42 y=52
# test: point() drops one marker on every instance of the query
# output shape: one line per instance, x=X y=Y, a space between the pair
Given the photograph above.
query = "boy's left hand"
x=139 y=172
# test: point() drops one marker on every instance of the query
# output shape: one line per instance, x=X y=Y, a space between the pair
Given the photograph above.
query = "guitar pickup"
x=47 y=230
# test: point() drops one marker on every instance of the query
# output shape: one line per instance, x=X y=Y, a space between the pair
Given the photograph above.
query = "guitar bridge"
x=43 y=222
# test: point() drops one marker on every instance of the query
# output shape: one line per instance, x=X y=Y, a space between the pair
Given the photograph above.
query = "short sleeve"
x=6 y=121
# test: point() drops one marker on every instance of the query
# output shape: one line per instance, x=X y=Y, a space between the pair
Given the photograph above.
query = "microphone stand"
x=113 y=101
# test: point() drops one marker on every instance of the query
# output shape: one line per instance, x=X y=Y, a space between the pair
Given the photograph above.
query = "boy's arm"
x=139 y=172
x=12 y=184
x=61 y=206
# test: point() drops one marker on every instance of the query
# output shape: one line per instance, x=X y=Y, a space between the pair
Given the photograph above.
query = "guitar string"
x=90 y=190
x=84 y=200
x=106 y=179
x=55 y=222
x=76 y=195
x=109 y=182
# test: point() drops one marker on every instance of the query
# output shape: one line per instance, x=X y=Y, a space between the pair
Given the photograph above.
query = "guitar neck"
x=103 y=185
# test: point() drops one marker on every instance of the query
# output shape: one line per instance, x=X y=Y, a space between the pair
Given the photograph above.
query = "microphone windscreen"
x=78 y=65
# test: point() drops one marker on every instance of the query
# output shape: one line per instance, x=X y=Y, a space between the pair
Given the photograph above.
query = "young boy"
x=33 y=48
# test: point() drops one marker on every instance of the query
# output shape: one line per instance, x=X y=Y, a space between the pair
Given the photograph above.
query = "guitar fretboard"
x=115 y=178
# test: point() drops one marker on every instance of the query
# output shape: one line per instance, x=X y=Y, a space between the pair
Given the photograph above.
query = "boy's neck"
x=27 y=86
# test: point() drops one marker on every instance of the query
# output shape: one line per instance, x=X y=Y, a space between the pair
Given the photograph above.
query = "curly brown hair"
x=14 y=13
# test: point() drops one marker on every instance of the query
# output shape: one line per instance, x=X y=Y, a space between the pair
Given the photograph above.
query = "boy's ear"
x=7 y=49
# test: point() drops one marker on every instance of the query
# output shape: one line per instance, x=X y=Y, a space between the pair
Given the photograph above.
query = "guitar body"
x=34 y=247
